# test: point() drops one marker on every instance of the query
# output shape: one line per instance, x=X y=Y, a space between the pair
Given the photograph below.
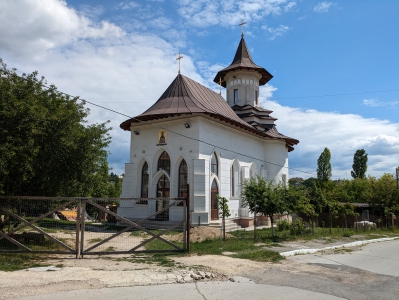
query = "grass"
x=19 y=261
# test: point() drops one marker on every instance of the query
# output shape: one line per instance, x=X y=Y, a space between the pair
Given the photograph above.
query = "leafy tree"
x=324 y=166
x=359 y=164
x=261 y=196
x=46 y=147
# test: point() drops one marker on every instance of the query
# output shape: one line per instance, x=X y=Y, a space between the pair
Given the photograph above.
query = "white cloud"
x=275 y=32
x=343 y=134
x=204 y=13
x=127 y=5
x=36 y=26
x=375 y=103
x=322 y=7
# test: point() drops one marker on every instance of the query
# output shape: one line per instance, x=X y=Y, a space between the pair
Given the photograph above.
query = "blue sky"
x=335 y=64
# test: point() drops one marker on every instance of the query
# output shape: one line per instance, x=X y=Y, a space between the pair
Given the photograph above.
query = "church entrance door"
x=163 y=191
x=214 y=201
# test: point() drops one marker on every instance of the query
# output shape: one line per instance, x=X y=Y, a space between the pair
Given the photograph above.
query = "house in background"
x=193 y=135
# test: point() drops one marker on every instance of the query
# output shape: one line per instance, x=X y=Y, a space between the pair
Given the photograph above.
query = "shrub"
x=283 y=225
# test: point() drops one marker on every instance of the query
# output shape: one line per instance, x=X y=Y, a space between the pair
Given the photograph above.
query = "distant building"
x=192 y=135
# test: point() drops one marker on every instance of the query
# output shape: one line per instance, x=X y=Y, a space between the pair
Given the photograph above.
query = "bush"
x=298 y=227
x=348 y=233
x=283 y=225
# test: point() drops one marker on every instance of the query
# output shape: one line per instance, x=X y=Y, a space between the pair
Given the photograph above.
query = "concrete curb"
x=353 y=244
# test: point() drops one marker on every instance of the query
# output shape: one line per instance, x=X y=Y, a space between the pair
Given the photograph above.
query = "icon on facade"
x=161 y=137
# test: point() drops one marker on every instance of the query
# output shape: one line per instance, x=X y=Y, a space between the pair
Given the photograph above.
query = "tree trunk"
x=272 y=221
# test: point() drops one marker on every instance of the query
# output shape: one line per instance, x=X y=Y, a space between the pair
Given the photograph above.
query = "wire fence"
x=84 y=226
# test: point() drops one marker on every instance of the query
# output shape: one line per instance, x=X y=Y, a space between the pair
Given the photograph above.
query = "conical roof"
x=243 y=61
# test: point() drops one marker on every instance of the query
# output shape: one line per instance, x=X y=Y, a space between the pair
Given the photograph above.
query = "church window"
x=232 y=182
x=164 y=162
x=235 y=96
x=144 y=184
x=183 y=179
x=214 y=164
x=251 y=81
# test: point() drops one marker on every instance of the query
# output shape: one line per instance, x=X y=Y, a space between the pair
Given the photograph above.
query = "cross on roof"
x=242 y=26
x=179 y=58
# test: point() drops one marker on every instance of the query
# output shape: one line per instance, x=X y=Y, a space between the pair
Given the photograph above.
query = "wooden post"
x=393 y=222
x=78 y=224
x=255 y=220
x=188 y=218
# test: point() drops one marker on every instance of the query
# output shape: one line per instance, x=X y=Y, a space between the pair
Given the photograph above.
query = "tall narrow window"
x=235 y=96
x=232 y=182
x=164 y=162
x=183 y=179
x=144 y=184
x=214 y=164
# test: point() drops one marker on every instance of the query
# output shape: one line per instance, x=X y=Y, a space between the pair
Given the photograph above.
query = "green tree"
x=224 y=212
x=324 y=166
x=359 y=164
x=263 y=197
x=46 y=146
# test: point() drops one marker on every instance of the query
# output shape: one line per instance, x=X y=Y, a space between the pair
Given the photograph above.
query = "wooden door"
x=214 y=201
x=163 y=191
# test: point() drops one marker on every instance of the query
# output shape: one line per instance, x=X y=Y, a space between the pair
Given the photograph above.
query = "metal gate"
x=84 y=226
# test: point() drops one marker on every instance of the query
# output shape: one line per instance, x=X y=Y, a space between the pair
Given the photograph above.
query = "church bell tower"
x=242 y=78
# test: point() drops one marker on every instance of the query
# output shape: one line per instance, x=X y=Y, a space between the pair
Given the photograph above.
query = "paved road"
x=192 y=291
x=381 y=258
x=370 y=273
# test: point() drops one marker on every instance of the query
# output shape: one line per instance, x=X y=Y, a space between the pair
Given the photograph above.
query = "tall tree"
x=46 y=148
x=359 y=167
x=324 y=166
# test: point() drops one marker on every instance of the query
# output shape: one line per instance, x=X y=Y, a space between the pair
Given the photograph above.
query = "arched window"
x=183 y=179
x=144 y=184
x=164 y=162
x=214 y=164
x=232 y=182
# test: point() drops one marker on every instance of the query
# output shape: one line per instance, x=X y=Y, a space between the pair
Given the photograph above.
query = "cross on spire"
x=179 y=58
x=242 y=27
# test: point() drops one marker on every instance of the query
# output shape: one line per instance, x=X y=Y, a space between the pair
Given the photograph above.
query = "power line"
x=301 y=97
x=153 y=125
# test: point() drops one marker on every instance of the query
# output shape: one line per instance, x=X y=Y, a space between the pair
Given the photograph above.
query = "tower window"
x=235 y=96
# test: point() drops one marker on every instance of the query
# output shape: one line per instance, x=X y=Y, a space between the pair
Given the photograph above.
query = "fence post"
x=78 y=224
x=82 y=227
x=188 y=218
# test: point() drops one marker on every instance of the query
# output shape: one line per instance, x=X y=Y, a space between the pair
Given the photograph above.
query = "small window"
x=251 y=81
x=235 y=96
x=214 y=164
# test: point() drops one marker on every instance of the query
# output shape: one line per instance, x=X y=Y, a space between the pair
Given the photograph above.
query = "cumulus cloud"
x=375 y=103
x=343 y=134
x=322 y=7
x=204 y=13
x=36 y=26
x=275 y=32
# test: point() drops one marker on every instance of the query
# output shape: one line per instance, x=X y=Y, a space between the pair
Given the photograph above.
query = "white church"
x=193 y=135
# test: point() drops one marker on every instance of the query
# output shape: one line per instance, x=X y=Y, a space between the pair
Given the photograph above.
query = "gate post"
x=188 y=218
x=78 y=224
x=82 y=227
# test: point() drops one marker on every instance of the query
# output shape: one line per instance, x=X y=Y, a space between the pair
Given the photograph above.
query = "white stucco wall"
x=249 y=154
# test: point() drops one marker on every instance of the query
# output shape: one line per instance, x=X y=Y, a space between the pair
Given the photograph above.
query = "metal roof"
x=243 y=61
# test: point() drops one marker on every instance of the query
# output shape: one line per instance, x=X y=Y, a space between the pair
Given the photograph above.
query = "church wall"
x=247 y=82
x=276 y=152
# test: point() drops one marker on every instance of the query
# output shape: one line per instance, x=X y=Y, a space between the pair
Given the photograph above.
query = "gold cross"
x=179 y=58
x=242 y=26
